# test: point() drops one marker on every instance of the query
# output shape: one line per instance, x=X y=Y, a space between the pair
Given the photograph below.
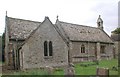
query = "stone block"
x=103 y=72
x=69 y=71
x=49 y=70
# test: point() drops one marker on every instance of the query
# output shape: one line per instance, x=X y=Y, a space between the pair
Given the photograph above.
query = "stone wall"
x=116 y=39
x=33 y=50
x=12 y=49
x=89 y=51
x=108 y=52
x=6 y=43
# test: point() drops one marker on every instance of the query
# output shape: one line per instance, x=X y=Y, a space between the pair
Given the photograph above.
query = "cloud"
x=109 y=12
x=84 y=12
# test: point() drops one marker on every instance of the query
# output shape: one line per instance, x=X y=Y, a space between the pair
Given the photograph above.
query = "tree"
x=116 y=31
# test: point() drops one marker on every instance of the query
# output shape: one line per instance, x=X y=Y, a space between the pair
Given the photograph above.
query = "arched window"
x=82 y=48
x=50 y=49
x=45 y=49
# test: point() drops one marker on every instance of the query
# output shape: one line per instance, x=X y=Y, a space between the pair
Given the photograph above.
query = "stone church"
x=30 y=44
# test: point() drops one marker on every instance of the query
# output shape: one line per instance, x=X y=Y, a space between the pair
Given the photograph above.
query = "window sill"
x=104 y=55
x=48 y=57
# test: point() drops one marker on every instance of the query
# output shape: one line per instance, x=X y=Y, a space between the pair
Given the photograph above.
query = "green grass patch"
x=1 y=62
x=59 y=71
x=39 y=72
x=91 y=70
x=31 y=72
x=79 y=70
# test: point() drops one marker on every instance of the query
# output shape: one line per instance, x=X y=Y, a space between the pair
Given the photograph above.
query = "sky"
x=83 y=12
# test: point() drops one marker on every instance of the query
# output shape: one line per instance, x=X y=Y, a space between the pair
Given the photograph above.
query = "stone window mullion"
x=48 y=48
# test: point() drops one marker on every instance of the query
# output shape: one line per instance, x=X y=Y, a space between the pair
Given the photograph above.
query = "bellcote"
x=100 y=23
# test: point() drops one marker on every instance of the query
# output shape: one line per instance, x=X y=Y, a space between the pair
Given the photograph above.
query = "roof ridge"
x=78 y=24
x=54 y=25
x=24 y=19
x=94 y=35
x=107 y=35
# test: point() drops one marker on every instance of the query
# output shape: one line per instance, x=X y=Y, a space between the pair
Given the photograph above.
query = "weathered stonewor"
x=49 y=70
x=69 y=71
x=102 y=72
x=28 y=40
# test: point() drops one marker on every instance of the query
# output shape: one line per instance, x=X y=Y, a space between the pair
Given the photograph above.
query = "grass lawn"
x=91 y=70
x=31 y=72
x=79 y=70
x=1 y=62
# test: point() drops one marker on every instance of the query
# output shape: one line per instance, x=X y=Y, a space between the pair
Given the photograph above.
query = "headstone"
x=49 y=70
x=69 y=71
x=103 y=72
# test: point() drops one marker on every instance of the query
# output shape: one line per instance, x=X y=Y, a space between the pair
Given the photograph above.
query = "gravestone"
x=104 y=72
x=69 y=71
x=49 y=70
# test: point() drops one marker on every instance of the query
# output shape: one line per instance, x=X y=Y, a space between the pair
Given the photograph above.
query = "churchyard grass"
x=39 y=72
x=31 y=72
x=91 y=70
x=79 y=70
x=1 y=62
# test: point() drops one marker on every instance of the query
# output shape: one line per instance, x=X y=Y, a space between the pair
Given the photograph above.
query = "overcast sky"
x=83 y=12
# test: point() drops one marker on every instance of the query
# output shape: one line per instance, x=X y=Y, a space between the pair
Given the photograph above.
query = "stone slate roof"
x=20 y=28
x=83 y=33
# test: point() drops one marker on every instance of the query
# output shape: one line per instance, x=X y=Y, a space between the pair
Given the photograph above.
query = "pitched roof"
x=77 y=32
x=57 y=29
x=20 y=28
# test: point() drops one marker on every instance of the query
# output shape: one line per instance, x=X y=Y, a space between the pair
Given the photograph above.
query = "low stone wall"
x=77 y=59
x=83 y=58
x=104 y=56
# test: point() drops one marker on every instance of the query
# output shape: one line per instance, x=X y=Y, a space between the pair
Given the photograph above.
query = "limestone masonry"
x=31 y=44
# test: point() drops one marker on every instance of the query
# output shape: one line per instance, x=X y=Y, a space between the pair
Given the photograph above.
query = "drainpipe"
x=68 y=54
x=16 y=57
